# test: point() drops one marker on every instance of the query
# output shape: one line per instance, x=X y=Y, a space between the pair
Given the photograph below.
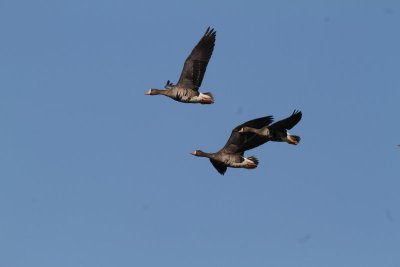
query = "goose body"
x=232 y=154
x=277 y=131
x=187 y=88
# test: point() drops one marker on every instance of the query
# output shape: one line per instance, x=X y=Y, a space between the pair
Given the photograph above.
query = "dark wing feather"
x=254 y=141
x=219 y=166
x=288 y=123
x=196 y=64
x=240 y=142
x=256 y=123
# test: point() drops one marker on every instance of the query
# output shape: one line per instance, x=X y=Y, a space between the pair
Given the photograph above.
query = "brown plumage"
x=187 y=88
x=232 y=154
x=277 y=131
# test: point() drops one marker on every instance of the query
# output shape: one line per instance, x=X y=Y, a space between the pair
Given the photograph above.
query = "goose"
x=232 y=154
x=187 y=88
x=278 y=131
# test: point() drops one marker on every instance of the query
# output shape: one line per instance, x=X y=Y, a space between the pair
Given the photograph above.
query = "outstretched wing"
x=221 y=168
x=256 y=123
x=240 y=142
x=288 y=123
x=196 y=64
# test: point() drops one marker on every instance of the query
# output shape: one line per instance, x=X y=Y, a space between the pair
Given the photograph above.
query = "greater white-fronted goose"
x=187 y=88
x=277 y=131
x=232 y=154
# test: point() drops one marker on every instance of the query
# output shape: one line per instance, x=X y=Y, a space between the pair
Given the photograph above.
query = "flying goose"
x=232 y=154
x=277 y=131
x=187 y=88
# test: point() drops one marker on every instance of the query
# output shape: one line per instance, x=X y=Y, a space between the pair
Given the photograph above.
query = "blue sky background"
x=95 y=173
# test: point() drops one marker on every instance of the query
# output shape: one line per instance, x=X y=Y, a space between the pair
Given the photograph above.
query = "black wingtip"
x=210 y=32
x=296 y=111
x=269 y=120
x=221 y=171
x=169 y=83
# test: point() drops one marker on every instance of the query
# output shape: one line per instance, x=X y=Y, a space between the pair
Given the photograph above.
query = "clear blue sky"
x=94 y=173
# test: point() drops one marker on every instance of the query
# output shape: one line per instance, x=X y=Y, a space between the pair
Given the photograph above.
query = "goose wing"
x=287 y=123
x=219 y=166
x=196 y=63
x=240 y=142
